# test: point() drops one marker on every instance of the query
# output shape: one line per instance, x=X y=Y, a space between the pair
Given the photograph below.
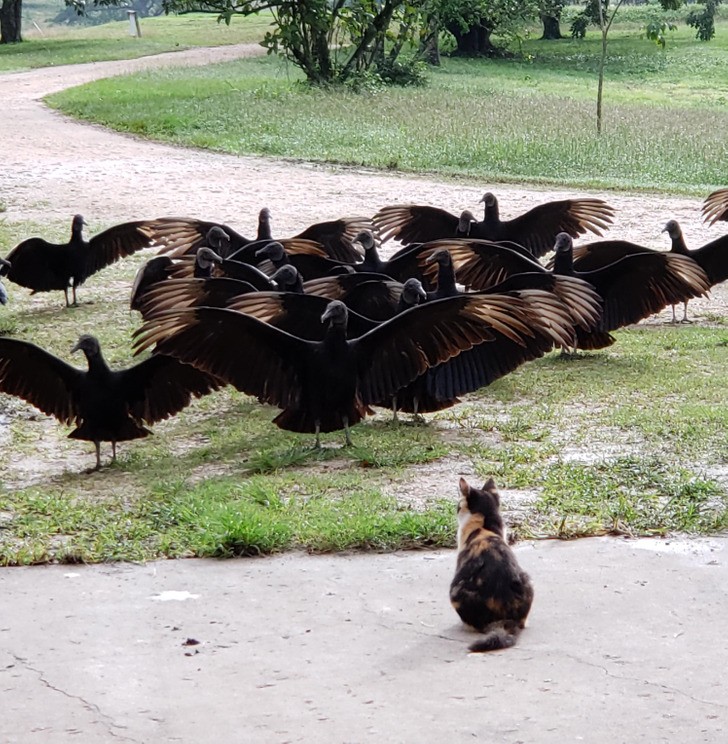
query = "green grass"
x=72 y=45
x=529 y=119
x=629 y=440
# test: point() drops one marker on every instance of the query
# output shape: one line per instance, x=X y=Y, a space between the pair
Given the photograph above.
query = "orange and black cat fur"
x=490 y=591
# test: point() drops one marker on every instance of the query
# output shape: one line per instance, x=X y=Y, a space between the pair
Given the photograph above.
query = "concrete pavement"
x=626 y=643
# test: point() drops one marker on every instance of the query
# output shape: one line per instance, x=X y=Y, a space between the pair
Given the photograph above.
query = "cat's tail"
x=497 y=636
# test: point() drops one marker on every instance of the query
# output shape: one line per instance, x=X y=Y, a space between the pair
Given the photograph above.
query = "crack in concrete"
x=107 y=721
x=658 y=685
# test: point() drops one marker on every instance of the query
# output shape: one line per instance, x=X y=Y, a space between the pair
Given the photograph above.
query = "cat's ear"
x=464 y=488
x=490 y=485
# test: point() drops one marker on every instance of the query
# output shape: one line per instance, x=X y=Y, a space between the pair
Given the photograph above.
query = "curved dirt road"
x=53 y=167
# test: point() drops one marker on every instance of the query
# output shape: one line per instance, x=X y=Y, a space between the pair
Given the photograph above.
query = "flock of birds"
x=322 y=327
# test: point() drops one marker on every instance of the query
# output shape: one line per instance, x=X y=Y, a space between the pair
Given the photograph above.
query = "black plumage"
x=535 y=230
x=632 y=288
x=712 y=257
x=310 y=265
x=211 y=291
x=403 y=265
x=46 y=267
x=557 y=307
x=715 y=207
x=104 y=405
x=191 y=292
x=335 y=239
x=330 y=384
x=373 y=295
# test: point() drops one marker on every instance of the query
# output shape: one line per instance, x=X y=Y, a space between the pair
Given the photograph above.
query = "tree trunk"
x=10 y=12
x=475 y=41
x=430 y=47
x=551 y=27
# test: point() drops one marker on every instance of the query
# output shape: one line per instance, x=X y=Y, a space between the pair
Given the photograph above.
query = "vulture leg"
x=98 y=458
x=113 y=451
x=317 y=443
x=65 y=292
x=347 y=436
x=75 y=301
x=674 y=317
x=395 y=418
x=417 y=417
x=685 y=314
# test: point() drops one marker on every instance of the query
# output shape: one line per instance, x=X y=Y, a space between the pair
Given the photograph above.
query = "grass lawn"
x=527 y=119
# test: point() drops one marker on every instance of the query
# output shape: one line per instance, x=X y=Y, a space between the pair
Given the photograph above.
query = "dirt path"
x=53 y=167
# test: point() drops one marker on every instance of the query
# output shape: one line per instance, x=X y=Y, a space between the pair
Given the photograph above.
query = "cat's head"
x=480 y=502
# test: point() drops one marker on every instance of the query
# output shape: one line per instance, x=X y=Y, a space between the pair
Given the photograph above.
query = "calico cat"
x=490 y=591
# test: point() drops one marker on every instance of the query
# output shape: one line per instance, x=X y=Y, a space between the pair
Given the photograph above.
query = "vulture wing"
x=182 y=235
x=480 y=264
x=161 y=386
x=117 y=242
x=412 y=223
x=245 y=352
x=297 y=314
x=41 y=379
x=398 y=351
x=713 y=258
x=715 y=207
x=592 y=256
x=338 y=237
x=638 y=286
x=37 y=264
x=537 y=229
x=191 y=292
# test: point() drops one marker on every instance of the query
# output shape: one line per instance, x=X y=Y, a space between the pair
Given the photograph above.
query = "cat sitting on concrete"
x=490 y=591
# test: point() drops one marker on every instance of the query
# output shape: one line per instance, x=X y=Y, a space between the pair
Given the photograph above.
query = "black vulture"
x=593 y=256
x=560 y=307
x=211 y=291
x=715 y=207
x=335 y=239
x=310 y=265
x=535 y=230
x=712 y=257
x=632 y=288
x=555 y=304
x=104 y=405
x=403 y=265
x=373 y=295
x=162 y=268
x=446 y=284
x=330 y=384
x=209 y=263
x=45 y=267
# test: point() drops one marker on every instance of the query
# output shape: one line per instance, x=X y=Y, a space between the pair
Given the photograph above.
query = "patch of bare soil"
x=53 y=167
